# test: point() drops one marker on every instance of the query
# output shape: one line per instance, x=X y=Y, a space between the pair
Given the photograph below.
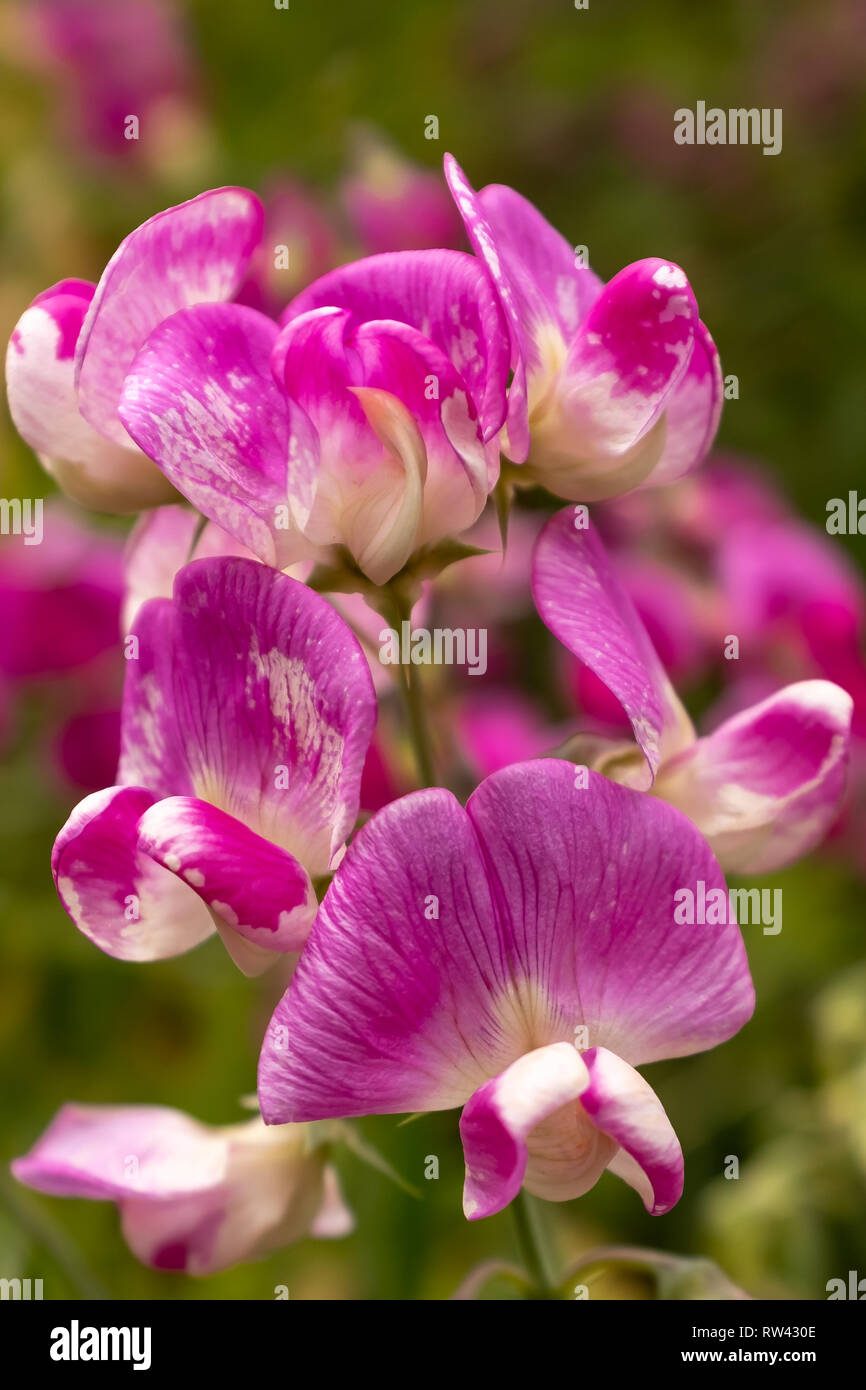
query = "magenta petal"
x=580 y=599
x=446 y=296
x=195 y=253
x=585 y=878
x=692 y=413
x=631 y=352
x=391 y=1007
x=255 y=887
x=521 y=352
x=452 y=942
x=765 y=786
x=624 y=1106
x=251 y=693
x=200 y=400
x=129 y=906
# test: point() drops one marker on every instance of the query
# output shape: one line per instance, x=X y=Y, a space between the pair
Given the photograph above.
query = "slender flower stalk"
x=532 y=1242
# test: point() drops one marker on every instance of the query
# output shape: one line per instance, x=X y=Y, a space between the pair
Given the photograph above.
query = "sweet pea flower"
x=614 y=385
x=519 y=958
x=71 y=350
x=193 y=1198
x=368 y=422
x=763 y=787
x=247 y=712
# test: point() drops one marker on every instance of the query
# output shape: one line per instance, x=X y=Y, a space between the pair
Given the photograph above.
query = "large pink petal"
x=392 y=1006
x=195 y=253
x=584 y=878
x=450 y=943
x=250 y=692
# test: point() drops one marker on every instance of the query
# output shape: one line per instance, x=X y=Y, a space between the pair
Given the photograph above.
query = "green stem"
x=532 y=1246
x=418 y=730
x=397 y=608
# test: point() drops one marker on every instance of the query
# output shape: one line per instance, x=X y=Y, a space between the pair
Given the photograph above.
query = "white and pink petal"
x=766 y=785
x=195 y=253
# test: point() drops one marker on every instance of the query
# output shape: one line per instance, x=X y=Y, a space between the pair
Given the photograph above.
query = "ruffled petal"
x=765 y=786
x=124 y=902
x=195 y=253
x=624 y=1106
x=446 y=296
x=200 y=400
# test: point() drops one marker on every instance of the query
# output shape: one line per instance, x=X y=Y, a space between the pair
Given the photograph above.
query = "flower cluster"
x=307 y=476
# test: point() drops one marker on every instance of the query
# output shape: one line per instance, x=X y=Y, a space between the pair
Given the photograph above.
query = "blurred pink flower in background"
x=786 y=589
x=60 y=638
x=111 y=61
x=394 y=204
x=193 y=1198
x=299 y=243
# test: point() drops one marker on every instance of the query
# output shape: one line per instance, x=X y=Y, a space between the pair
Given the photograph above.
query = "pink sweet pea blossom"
x=247 y=714
x=368 y=422
x=71 y=350
x=520 y=958
x=193 y=1198
x=614 y=385
x=764 y=787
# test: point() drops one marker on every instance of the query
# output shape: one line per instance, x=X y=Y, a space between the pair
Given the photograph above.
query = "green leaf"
x=346 y=1134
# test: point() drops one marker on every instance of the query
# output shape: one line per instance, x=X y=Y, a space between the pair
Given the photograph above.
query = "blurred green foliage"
x=575 y=108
